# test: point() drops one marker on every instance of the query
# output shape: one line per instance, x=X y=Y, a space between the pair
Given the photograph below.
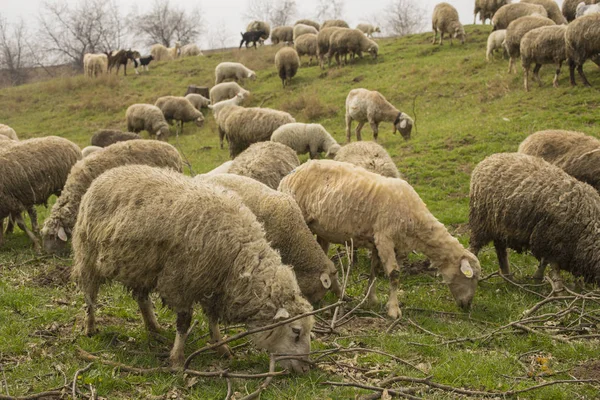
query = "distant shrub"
x=310 y=106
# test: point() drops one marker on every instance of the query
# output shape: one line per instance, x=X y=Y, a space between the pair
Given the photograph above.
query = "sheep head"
x=462 y=276
x=459 y=32
x=403 y=124
x=252 y=75
x=54 y=239
x=333 y=149
x=163 y=133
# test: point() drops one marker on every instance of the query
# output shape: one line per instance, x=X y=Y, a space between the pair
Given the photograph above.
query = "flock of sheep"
x=248 y=241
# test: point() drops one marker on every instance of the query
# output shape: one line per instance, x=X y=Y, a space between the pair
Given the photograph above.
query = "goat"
x=252 y=36
x=120 y=58
x=143 y=62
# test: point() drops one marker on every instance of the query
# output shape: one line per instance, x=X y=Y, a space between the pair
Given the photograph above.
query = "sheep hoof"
x=393 y=311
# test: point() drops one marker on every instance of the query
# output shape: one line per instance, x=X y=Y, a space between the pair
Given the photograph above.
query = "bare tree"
x=330 y=9
x=219 y=36
x=14 y=52
x=403 y=17
x=166 y=23
x=275 y=12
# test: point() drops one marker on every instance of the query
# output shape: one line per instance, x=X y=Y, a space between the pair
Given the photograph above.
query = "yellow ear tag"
x=466 y=270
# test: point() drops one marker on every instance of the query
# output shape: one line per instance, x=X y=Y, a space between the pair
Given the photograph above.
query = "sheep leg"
x=215 y=336
x=90 y=296
x=348 y=128
x=375 y=128
x=324 y=244
x=1 y=232
x=375 y=263
x=434 y=36
x=502 y=258
x=526 y=78
x=358 y=129
x=511 y=62
x=387 y=256
x=556 y=280
x=441 y=37
x=10 y=225
x=572 y=73
x=221 y=136
x=536 y=73
x=582 y=75
x=147 y=310
x=21 y=224
x=33 y=217
x=555 y=80
x=177 y=356
x=539 y=273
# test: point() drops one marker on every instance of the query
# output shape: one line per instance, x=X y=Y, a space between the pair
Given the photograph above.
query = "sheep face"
x=333 y=151
x=462 y=279
x=199 y=122
x=163 y=134
x=252 y=76
x=377 y=29
x=404 y=125
x=55 y=243
x=459 y=32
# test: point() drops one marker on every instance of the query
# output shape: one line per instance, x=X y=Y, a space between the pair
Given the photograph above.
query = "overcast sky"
x=228 y=13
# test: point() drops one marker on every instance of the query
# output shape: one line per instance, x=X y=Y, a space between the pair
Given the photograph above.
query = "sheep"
x=282 y=34
x=106 y=137
x=179 y=109
x=86 y=151
x=370 y=156
x=569 y=8
x=545 y=45
x=306 y=45
x=342 y=202
x=263 y=26
x=222 y=105
x=221 y=169
x=331 y=23
x=286 y=232
x=267 y=162
x=515 y=32
x=254 y=36
x=32 y=171
x=302 y=29
x=495 y=40
x=364 y=105
x=244 y=126
x=445 y=20
x=162 y=53
x=309 y=23
x=306 y=138
x=583 y=9
x=149 y=118
x=368 y=29
x=8 y=132
x=574 y=152
x=287 y=63
x=197 y=100
x=486 y=9
x=510 y=12
x=581 y=44
x=525 y=203
x=95 y=64
x=198 y=244
x=59 y=225
x=350 y=41
x=232 y=70
x=552 y=9
x=323 y=43
x=190 y=50
x=226 y=91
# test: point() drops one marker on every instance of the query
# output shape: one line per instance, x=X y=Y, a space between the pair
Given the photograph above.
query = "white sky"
x=229 y=12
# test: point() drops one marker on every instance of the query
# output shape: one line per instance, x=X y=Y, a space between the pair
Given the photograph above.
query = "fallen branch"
x=50 y=393
x=391 y=392
x=360 y=303
x=74 y=386
x=266 y=383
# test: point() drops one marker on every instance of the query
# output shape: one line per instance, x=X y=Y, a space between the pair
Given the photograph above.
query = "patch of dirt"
x=365 y=324
x=53 y=275
x=589 y=370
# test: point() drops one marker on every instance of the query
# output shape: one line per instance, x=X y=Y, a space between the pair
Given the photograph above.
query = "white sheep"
x=176 y=108
x=370 y=156
x=495 y=41
x=226 y=91
x=162 y=53
x=306 y=138
x=197 y=100
x=368 y=29
x=86 y=151
x=306 y=45
x=221 y=169
x=302 y=29
x=232 y=70
x=95 y=64
x=8 y=132
x=586 y=9
x=222 y=107
x=445 y=20
x=190 y=50
x=147 y=117
x=370 y=106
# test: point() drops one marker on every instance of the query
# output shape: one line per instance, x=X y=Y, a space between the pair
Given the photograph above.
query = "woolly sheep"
x=149 y=118
x=510 y=12
x=342 y=202
x=552 y=9
x=486 y=9
x=226 y=264
x=302 y=29
x=232 y=70
x=179 y=109
x=545 y=45
x=370 y=106
x=370 y=156
x=331 y=23
x=8 y=132
x=306 y=138
x=569 y=8
x=226 y=91
x=256 y=26
x=287 y=63
x=222 y=106
x=525 y=203
x=515 y=32
x=350 y=41
x=574 y=152
x=309 y=23
x=86 y=151
x=368 y=29
x=106 y=137
x=58 y=227
x=32 y=171
x=221 y=169
x=306 y=45
x=282 y=34
x=191 y=50
x=495 y=41
x=266 y=162
x=445 y=20
x=323 y=43
x=95 y=64
x=586 y=9
x=162 y=53
x=286 y=232
x=197 y=100
x=581 y=43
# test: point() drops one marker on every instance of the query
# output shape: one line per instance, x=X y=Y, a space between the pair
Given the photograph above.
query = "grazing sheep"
x=222 y=105
x=370 y=156
x=486 y=9
x=197 y=100
x=287 y=63
x=574 y=152
x=5 y=141
x=179 y=109
x=342 y=202
x=306 y=138
x=162 y=53
x=580 y=45
x=510 y=12
x=586 y=9
x=445 y=20
x=323 y=44
x=32 y=171
x=95 y=64
x=525 y=203
x=244 y=126
x=545 y=45
x=370 y=106
x=368 y=29
x=286 y=232
x=263 y=26
x=569 y=8
x=282 y=34
x=58 y=227
x=86 y=151
x=515 y=32
x=301 y=29
x=552 y=9
x=8 y=132
x=251 y=37
x=495 y=41
x=232 y=70
x=350 y=41
x=226 y=91
x=198 y=244
x=106 y=137
x=221 y=169
x=306 y=45
x=267 y=162
x=190 y=50
x=331 y=23
x=147 y=117
x=309 y=23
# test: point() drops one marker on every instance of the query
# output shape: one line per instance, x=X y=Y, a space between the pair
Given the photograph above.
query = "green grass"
x=465 y=109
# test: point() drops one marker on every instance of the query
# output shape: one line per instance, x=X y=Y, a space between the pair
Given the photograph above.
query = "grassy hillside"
x=465 y=110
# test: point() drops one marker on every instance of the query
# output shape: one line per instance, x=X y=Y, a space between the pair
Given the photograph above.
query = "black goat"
x=143 y=61
x=253 y=36
x=120 y=58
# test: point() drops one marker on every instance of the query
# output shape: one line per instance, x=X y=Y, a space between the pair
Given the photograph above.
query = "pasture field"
x=465 y=110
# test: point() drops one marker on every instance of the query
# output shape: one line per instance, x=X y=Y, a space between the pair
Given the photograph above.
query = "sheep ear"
x=325 y=280
x=62 y=235
x=282 y=313
x=465 y=268
x=403 y=124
